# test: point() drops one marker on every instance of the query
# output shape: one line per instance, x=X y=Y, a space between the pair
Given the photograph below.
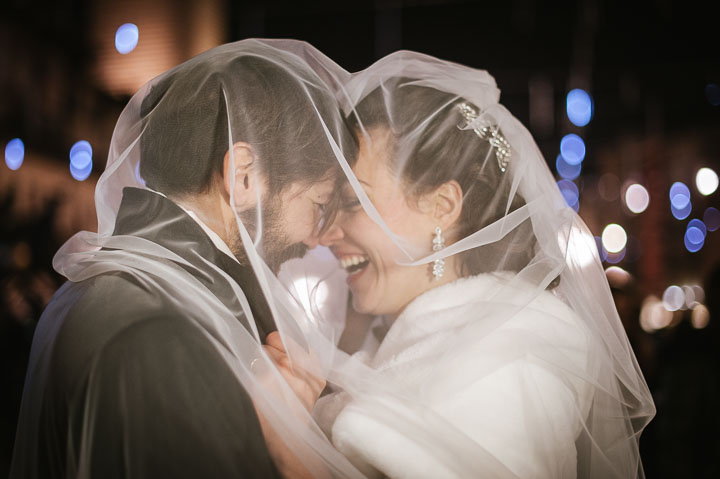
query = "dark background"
x=647 y=64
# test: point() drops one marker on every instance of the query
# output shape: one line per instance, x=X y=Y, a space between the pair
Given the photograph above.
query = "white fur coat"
x=507 y=405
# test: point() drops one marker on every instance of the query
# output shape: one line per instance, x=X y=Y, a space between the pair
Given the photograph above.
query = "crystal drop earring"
x=438 y=243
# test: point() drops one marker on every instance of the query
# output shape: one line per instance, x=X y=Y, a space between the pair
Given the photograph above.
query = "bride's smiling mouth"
x=354 y=263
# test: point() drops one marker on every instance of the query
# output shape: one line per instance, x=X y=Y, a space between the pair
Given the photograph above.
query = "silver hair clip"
x=491 y=133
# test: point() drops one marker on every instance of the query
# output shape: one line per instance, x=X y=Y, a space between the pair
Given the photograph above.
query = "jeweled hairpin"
x=491 y=133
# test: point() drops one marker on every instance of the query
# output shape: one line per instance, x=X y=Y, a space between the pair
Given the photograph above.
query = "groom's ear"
x=241 y=176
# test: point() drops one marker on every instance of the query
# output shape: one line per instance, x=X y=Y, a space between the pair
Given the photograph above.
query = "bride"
x=496 y=350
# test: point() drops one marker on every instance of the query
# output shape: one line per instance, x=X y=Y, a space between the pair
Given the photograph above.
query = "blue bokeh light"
x=712 y=93
x=14 y=153
x=81 y=160
x=711 y=218
x=126 y=38
x=572 y=148
x=566 y=170
x=679 y=195
x=696 y=223
x=681 y=213
x=579 y=107
x=690 y=236
x=570 y=192
x=615 y=258
x=694 y=235
x=81 y=174
x=81 y=146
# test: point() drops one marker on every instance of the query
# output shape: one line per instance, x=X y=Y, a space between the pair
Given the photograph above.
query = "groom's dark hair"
x=270 y=104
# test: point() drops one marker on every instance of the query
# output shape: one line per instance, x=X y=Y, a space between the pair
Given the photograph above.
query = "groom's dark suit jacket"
x=165 y=403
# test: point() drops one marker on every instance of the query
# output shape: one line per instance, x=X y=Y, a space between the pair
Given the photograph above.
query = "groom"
x=183 y=413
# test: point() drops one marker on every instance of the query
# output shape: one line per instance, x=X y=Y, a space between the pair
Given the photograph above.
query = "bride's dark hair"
x=429 y=149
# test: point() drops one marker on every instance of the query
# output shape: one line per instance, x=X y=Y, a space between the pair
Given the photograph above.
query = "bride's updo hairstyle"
x=431 y=146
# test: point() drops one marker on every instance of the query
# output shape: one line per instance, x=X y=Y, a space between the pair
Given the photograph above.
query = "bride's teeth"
x=348 y=261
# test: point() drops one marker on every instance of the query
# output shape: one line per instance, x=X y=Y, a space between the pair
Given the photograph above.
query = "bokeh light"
x=570 y=192
x=712 y=93
x=673 y=298
x=680 y=204
x=614 y=258
x=637 y=198
x=572 y=149
x=711 y=218
x=699 y=293
x=126 y=38
x=617 y=276
x=694 y=239
x=81 y=160
x=679 y=195
x=681 y=214
x=700 y=316
x=614 y=238
x=653 y=315
x=706 y=181
x=566 y=170
x=14 y=153
x=690 y=300
x=699 y=225
x=579 y=107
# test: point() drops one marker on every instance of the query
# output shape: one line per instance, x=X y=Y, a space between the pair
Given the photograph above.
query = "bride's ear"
x=445 y=204
x=241 y=176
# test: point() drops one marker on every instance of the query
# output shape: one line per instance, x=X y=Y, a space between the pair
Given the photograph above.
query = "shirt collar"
x=214 y=237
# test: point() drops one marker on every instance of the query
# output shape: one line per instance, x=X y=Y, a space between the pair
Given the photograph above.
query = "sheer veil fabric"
x=272 y=105
x=513 y=363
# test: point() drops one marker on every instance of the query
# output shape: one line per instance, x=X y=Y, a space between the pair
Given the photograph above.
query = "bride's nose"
x=331 y=235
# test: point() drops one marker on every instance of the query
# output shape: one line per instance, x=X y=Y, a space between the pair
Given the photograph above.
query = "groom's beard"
x=275 y=247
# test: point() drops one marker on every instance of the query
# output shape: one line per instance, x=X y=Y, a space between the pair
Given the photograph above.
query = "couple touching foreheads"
x=203 y=333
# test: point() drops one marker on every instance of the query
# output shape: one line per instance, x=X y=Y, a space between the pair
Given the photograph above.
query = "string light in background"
x=566 y=170
x=14 y=153
x=81 y=160
x=579 y=106
x=126 y=38
x=637 y=198
x=680 y=204
x=572 y=149
x=706 y=181
x=711 y=218
x=695 y=235
x=614 y=238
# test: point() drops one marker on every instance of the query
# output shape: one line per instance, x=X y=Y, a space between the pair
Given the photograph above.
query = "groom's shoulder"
x=86 y=317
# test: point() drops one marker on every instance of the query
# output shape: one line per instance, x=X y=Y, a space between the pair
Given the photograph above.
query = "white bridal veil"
x=520 y=366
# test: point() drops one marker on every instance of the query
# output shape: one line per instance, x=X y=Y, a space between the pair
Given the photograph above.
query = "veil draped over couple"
x=305 y=272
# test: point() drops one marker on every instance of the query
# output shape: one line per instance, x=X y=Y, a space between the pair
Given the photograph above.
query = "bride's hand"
x=306 y=386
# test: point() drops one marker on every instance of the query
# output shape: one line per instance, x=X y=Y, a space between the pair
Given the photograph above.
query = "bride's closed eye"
x=350 y=203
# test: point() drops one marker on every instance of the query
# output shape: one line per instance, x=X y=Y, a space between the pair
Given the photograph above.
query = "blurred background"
x=622 y=97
